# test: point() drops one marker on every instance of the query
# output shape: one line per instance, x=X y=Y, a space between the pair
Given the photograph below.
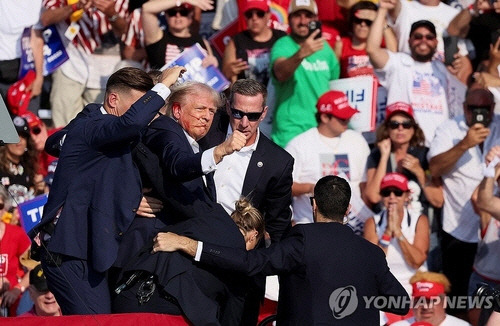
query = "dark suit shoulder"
x=277 y=151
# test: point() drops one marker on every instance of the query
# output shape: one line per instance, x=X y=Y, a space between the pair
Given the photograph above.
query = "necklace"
x=16 y=169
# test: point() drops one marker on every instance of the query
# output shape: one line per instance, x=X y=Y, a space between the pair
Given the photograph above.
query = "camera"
x=485 y=290
x=480 y=115
x=314 y=25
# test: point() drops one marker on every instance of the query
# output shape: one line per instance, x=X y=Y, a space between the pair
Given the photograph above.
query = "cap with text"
x=394 y=180
x=398 y=107
x=427 y=289
x=336 y=104
x=307 y=5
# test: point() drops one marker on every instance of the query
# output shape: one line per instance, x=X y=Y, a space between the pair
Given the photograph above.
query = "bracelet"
x=384 y=243
x=20 y=287
x=113 y=18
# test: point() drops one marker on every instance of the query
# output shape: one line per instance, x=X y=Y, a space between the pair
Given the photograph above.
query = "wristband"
x=386 y=237
x=384 y=243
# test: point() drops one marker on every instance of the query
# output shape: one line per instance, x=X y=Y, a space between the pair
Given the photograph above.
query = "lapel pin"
x=260 y=164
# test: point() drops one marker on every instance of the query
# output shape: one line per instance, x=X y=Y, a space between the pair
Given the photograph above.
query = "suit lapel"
x=255 y=168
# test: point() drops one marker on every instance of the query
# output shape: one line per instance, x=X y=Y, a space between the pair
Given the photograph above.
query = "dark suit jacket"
x=313 y=261
x=96 y=185
x=268 y=181
x=189 y=210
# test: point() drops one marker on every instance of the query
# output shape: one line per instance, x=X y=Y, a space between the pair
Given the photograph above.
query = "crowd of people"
x=137 y=165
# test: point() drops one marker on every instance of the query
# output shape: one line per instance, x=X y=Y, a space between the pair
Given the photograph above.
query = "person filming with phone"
x=302 y=64
x=455 y=155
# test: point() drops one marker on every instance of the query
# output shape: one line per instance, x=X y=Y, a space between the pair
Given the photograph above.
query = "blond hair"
x=431 y=277
x=248 y=218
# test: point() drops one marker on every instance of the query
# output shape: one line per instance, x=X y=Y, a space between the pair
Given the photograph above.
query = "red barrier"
x=141 y=319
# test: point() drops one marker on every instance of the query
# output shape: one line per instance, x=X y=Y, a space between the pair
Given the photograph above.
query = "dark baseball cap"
x=38 y=280
x=423 y=23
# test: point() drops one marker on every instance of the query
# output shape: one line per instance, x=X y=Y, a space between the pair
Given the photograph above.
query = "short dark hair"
x=360 y=6
x=332 y=195
x=248 y=87
x=129 y=78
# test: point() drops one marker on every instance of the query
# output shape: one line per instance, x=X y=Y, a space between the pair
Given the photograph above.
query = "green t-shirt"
x=296 y=98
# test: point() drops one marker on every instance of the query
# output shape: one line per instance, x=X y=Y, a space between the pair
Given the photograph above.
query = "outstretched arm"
x=378 y=55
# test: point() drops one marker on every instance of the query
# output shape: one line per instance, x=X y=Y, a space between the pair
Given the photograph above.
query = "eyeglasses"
x=36 y=130
x=388 y=192
x=395 y=124
x=249 y=13
x=359 y=21
x=173 y=12
x=428 y=37
x=252 y=116
x=312 y=200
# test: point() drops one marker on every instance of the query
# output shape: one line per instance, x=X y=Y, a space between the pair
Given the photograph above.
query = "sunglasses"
x=36 y=130
x=395 y=124
x=428 y=37
x=252 y=116
x=249 y=13
x=388 y=192
x=359 y=21
x=173 y=12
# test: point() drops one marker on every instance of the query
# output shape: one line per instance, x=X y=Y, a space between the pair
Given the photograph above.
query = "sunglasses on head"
x=173 y=12
x=359 y=21
x=428 y=37
x=252 y=116
x=249 y=13
x=388 y=192
x=395 y=124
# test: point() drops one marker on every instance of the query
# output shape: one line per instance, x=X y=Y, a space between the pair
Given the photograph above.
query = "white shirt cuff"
x=199 y=249
x=162 y=90
x=207 y=161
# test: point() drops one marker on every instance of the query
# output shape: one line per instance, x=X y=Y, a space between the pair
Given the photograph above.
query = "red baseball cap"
x=336 y=104
x=427 y=289
x=18 y=98
x=255 y=4
x=396 y=180
x=33 y=120
x=398 y=107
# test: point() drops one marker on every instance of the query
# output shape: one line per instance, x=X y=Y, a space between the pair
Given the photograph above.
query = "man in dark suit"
x=96 y=190
x=188 y=197
x=260 y=171
x=328 y=275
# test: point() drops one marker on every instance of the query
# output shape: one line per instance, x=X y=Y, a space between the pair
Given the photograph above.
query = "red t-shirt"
x=354 y=62
x=13 y=244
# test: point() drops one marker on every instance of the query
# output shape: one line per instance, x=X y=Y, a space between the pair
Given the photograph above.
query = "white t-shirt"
x=316 y=158
x=459 y=218
x=15 y=17
x=427 y=86
x=412 y=11
x=448 y=321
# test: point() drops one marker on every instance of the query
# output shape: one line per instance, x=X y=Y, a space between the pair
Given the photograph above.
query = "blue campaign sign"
x=191 y=58
x=31 y=212
x=54 y=53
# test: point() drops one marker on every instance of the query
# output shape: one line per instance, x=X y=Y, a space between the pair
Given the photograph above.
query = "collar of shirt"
x=252 y=147
x=103 y=111
x=192 y=142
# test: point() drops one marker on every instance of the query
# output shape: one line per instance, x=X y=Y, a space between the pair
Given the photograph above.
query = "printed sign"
x=31 y=212
x=54 y=53
x=191 y=58
x=362 y=95
x=220 y=39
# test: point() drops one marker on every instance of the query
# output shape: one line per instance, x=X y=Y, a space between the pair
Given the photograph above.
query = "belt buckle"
x=146 y=290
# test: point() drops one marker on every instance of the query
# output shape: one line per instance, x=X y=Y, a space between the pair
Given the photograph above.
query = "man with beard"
x=417 y=78
x=302 y=64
